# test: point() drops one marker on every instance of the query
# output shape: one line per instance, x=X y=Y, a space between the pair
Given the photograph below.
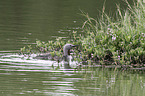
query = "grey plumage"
x=66 y=53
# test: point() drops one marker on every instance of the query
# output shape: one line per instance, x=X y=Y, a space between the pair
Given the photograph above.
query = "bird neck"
x=66 y=52
x=66 y=55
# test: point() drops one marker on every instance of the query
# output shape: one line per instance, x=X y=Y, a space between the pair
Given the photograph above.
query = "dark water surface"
x=24 y=21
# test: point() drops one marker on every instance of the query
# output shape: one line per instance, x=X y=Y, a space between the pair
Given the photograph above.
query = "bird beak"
x=75 y=45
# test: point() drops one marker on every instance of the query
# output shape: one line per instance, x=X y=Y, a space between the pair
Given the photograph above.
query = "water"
x=29 y=77
x=24 y=21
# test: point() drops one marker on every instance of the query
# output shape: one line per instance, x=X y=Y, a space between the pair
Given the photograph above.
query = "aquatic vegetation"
x=106 y=41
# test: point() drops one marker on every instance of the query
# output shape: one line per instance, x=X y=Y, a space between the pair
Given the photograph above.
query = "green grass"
x=105 y=40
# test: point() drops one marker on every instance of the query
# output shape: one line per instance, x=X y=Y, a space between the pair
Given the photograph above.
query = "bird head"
x=66 y=49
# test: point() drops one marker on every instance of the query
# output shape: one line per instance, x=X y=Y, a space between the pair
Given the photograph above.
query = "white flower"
x=118 y=57
x=113 y=38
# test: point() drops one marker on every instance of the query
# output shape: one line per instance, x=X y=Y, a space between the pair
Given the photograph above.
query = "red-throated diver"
x=66 y=53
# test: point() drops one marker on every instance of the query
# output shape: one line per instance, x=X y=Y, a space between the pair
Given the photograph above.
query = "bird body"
x=66 y=54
